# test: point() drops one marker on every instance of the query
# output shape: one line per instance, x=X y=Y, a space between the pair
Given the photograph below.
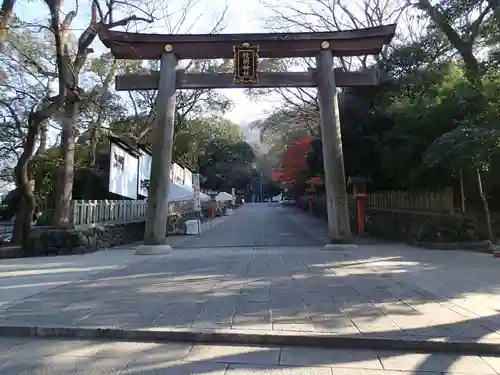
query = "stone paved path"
x=375 y=291
x=28 y=357
x=23 y=277
x=259 y=224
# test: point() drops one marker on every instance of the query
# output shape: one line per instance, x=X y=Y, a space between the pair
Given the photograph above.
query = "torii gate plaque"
x=245 y=64
x=171 y=48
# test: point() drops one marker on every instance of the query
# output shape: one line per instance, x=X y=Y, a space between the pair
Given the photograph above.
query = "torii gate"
x=245 y=49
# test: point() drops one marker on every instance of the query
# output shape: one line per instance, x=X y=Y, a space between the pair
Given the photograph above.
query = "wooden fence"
x=87 y=212
x=438 y=201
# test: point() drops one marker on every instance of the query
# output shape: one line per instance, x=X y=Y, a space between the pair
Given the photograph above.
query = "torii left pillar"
x=157 y=215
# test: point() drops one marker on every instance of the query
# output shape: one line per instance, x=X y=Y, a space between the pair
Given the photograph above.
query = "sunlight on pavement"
x=54 y=271
x=85 y=357
x=46 y=284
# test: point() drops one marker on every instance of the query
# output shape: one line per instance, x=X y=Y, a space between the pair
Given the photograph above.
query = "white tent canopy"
x=223 y=197
x=203 y=196
x=178 y=193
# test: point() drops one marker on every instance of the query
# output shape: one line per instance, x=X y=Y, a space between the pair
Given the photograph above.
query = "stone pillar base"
x=153 y=249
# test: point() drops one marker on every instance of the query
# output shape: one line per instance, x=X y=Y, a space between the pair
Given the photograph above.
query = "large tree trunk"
x=22 y=224
x=24 y=216
x=42 y=146
x=486 y=206
x=64 y=187
x=24 y=177
x=94 y=140
x=68 y=86
x=24 y=181
x=39 y=182
x=5 y=17
x=96 y=127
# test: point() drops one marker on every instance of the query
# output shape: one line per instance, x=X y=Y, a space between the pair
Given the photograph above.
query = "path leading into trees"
x=261 y=224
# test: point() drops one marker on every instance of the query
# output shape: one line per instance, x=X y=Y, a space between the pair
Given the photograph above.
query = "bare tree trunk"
x=24 y=176
x=94 y=141
x=96 y=127
x=93 y=146
x=22 y=222
x=69 y=71
x=485 y=206
x=462 y=189
x=64 y=187
x=24 y=181
x=42 y=147
x=38 y=183
x=5 y=17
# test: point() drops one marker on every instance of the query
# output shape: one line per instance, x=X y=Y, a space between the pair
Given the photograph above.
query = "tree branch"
x=17 y=120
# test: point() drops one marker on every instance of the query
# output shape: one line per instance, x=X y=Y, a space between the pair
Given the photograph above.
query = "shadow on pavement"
x=376 y=291
x=58 y=357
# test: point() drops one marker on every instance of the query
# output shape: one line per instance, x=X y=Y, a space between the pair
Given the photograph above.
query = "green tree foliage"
x=195 y=134
x=227 y=164
x=469 y=148
x=436 y=77
x=466 y=147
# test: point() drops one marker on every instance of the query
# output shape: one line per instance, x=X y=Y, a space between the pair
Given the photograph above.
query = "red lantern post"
x=361 y=199
x=359 y=194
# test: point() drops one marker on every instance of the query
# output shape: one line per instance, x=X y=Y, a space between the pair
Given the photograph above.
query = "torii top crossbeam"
x=141 y=46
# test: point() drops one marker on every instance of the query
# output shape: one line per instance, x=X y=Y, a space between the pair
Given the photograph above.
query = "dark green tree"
x=467 y=148
x=226 y=164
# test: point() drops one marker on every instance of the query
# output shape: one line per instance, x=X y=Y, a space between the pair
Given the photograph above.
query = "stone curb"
x=153 y=249
x=246 y=338
x=340 y=247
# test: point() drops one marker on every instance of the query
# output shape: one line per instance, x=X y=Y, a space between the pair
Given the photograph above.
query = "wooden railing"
x=438 y=201
x=86 y=212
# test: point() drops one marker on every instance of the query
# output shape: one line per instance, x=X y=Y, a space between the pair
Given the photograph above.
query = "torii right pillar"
x=333 y=159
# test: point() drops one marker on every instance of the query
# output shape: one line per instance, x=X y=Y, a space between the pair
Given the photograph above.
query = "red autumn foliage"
x=294 y=161
x=277 y=176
